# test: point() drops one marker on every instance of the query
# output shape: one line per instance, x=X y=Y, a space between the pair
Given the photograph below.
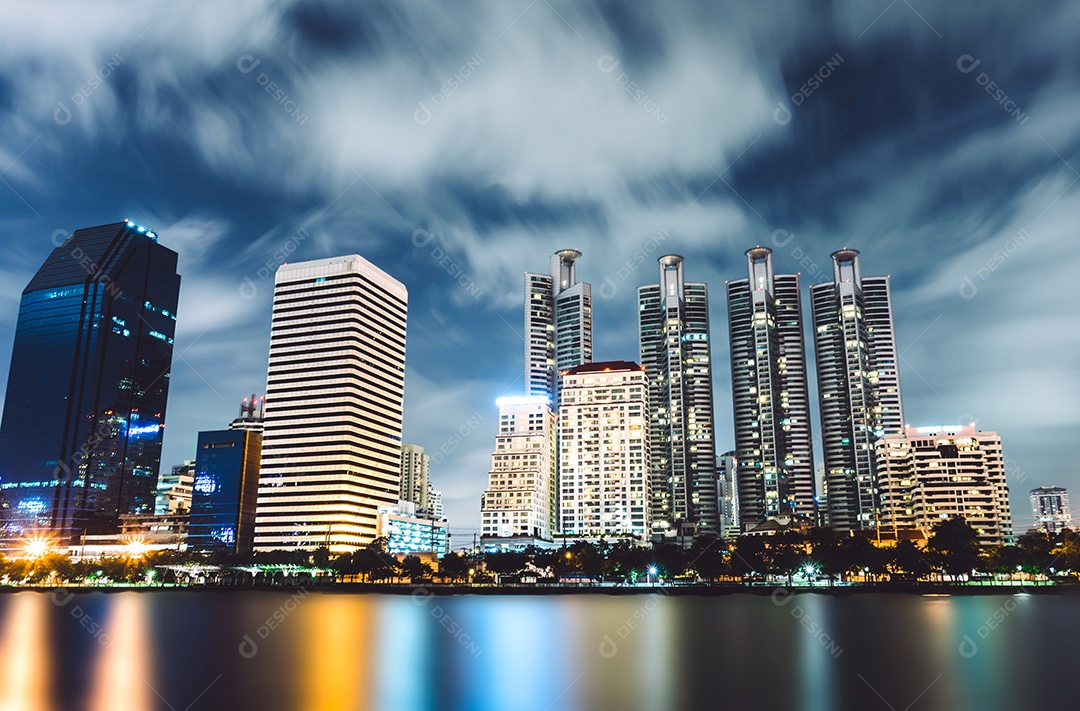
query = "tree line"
x=952 y=553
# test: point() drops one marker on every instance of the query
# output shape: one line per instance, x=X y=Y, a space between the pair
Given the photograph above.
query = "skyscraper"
x=331 y=450
x=604 y=483
x=673 y=331
x=773 y=444
x=927 y=474
x=858 y=385
x=520 y=498
x=558 y=325
x=1050 y=509
x=80 y=442
x=226 y=484
x=416 y=476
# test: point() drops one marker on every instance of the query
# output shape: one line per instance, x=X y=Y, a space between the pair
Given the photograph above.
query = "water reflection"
x=335 y=653
x=299 y=651
x=122 y=669
x=24 y=653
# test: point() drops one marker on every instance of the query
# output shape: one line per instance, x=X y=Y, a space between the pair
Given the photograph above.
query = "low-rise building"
x=406 y=531
x=927 y=474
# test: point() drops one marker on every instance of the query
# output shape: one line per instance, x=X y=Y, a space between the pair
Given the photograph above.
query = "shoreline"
x=425 y=591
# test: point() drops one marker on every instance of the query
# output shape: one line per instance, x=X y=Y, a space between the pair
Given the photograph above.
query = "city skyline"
x=903 y=160
x=848 y=295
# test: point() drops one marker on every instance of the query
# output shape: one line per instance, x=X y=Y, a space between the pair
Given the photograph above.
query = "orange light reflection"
x=24 y=659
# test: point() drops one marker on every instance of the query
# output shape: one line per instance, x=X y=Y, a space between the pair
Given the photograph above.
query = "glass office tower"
x=225 y=490
x=80 y=442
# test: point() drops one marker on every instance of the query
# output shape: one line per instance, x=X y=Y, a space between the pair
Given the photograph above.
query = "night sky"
x=457 y=145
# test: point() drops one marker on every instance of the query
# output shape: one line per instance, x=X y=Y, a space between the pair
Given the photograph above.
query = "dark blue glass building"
x=224 y=492
x=80 y=440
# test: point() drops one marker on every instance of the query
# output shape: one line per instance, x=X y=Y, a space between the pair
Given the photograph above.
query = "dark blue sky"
x=940 y=140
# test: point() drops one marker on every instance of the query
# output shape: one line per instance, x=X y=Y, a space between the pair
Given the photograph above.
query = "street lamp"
x=36 y=546
x=651 y=573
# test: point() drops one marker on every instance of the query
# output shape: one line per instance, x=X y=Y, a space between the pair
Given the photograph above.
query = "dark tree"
x=955 y=545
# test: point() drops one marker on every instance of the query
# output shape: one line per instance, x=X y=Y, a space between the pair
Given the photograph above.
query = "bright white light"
x=652 y=570
x=37 y=547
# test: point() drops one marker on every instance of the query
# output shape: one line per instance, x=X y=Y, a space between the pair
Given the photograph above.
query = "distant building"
x=727 y=492
x=331 y=455
x=435 y=503
x=558 y=325
x=604 y=483
x=516 y=544
x=520 y=497
x=673 y=334
x=927 y=474
x=80 y=443
x=415 y=476
x=251 y=415
x=138 y=534
x=822 y=498
x=1050 y=508
x=226 y=488
x=174 y=490
x=858 y=385
x=408 y=532
x=773 y=444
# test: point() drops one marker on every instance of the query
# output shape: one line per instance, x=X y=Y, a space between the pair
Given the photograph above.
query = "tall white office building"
x=928 y=474
x=604 y=483
x=673 y=334
x=558 y=325
x=858 y=385
x=520 y=498
x=331 y=453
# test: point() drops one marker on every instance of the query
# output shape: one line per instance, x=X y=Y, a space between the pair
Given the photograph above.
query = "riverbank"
x=717 y=590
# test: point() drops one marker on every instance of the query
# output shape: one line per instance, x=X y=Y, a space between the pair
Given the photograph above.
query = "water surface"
x=197 y=651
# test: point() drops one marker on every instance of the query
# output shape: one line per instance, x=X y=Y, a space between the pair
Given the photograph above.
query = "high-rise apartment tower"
x=673 y=331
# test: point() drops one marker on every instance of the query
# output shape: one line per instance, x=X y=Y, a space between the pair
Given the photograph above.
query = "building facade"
x=80 y=442
x=435 y=504
x=770 y=397
x=331 y=453
x=225 y=489
x=173 y=492
x=858 y=385
x=727 y=494
x=521 y=496
x=673 y=335
x=604 y=482
x=1050 y=509
x=558 y=325
x=416 y=476
x=406 y=531
x=927 y=474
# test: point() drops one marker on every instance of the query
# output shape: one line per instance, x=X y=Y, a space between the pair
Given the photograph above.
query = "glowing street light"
x=136 y=548
x=37 y=545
